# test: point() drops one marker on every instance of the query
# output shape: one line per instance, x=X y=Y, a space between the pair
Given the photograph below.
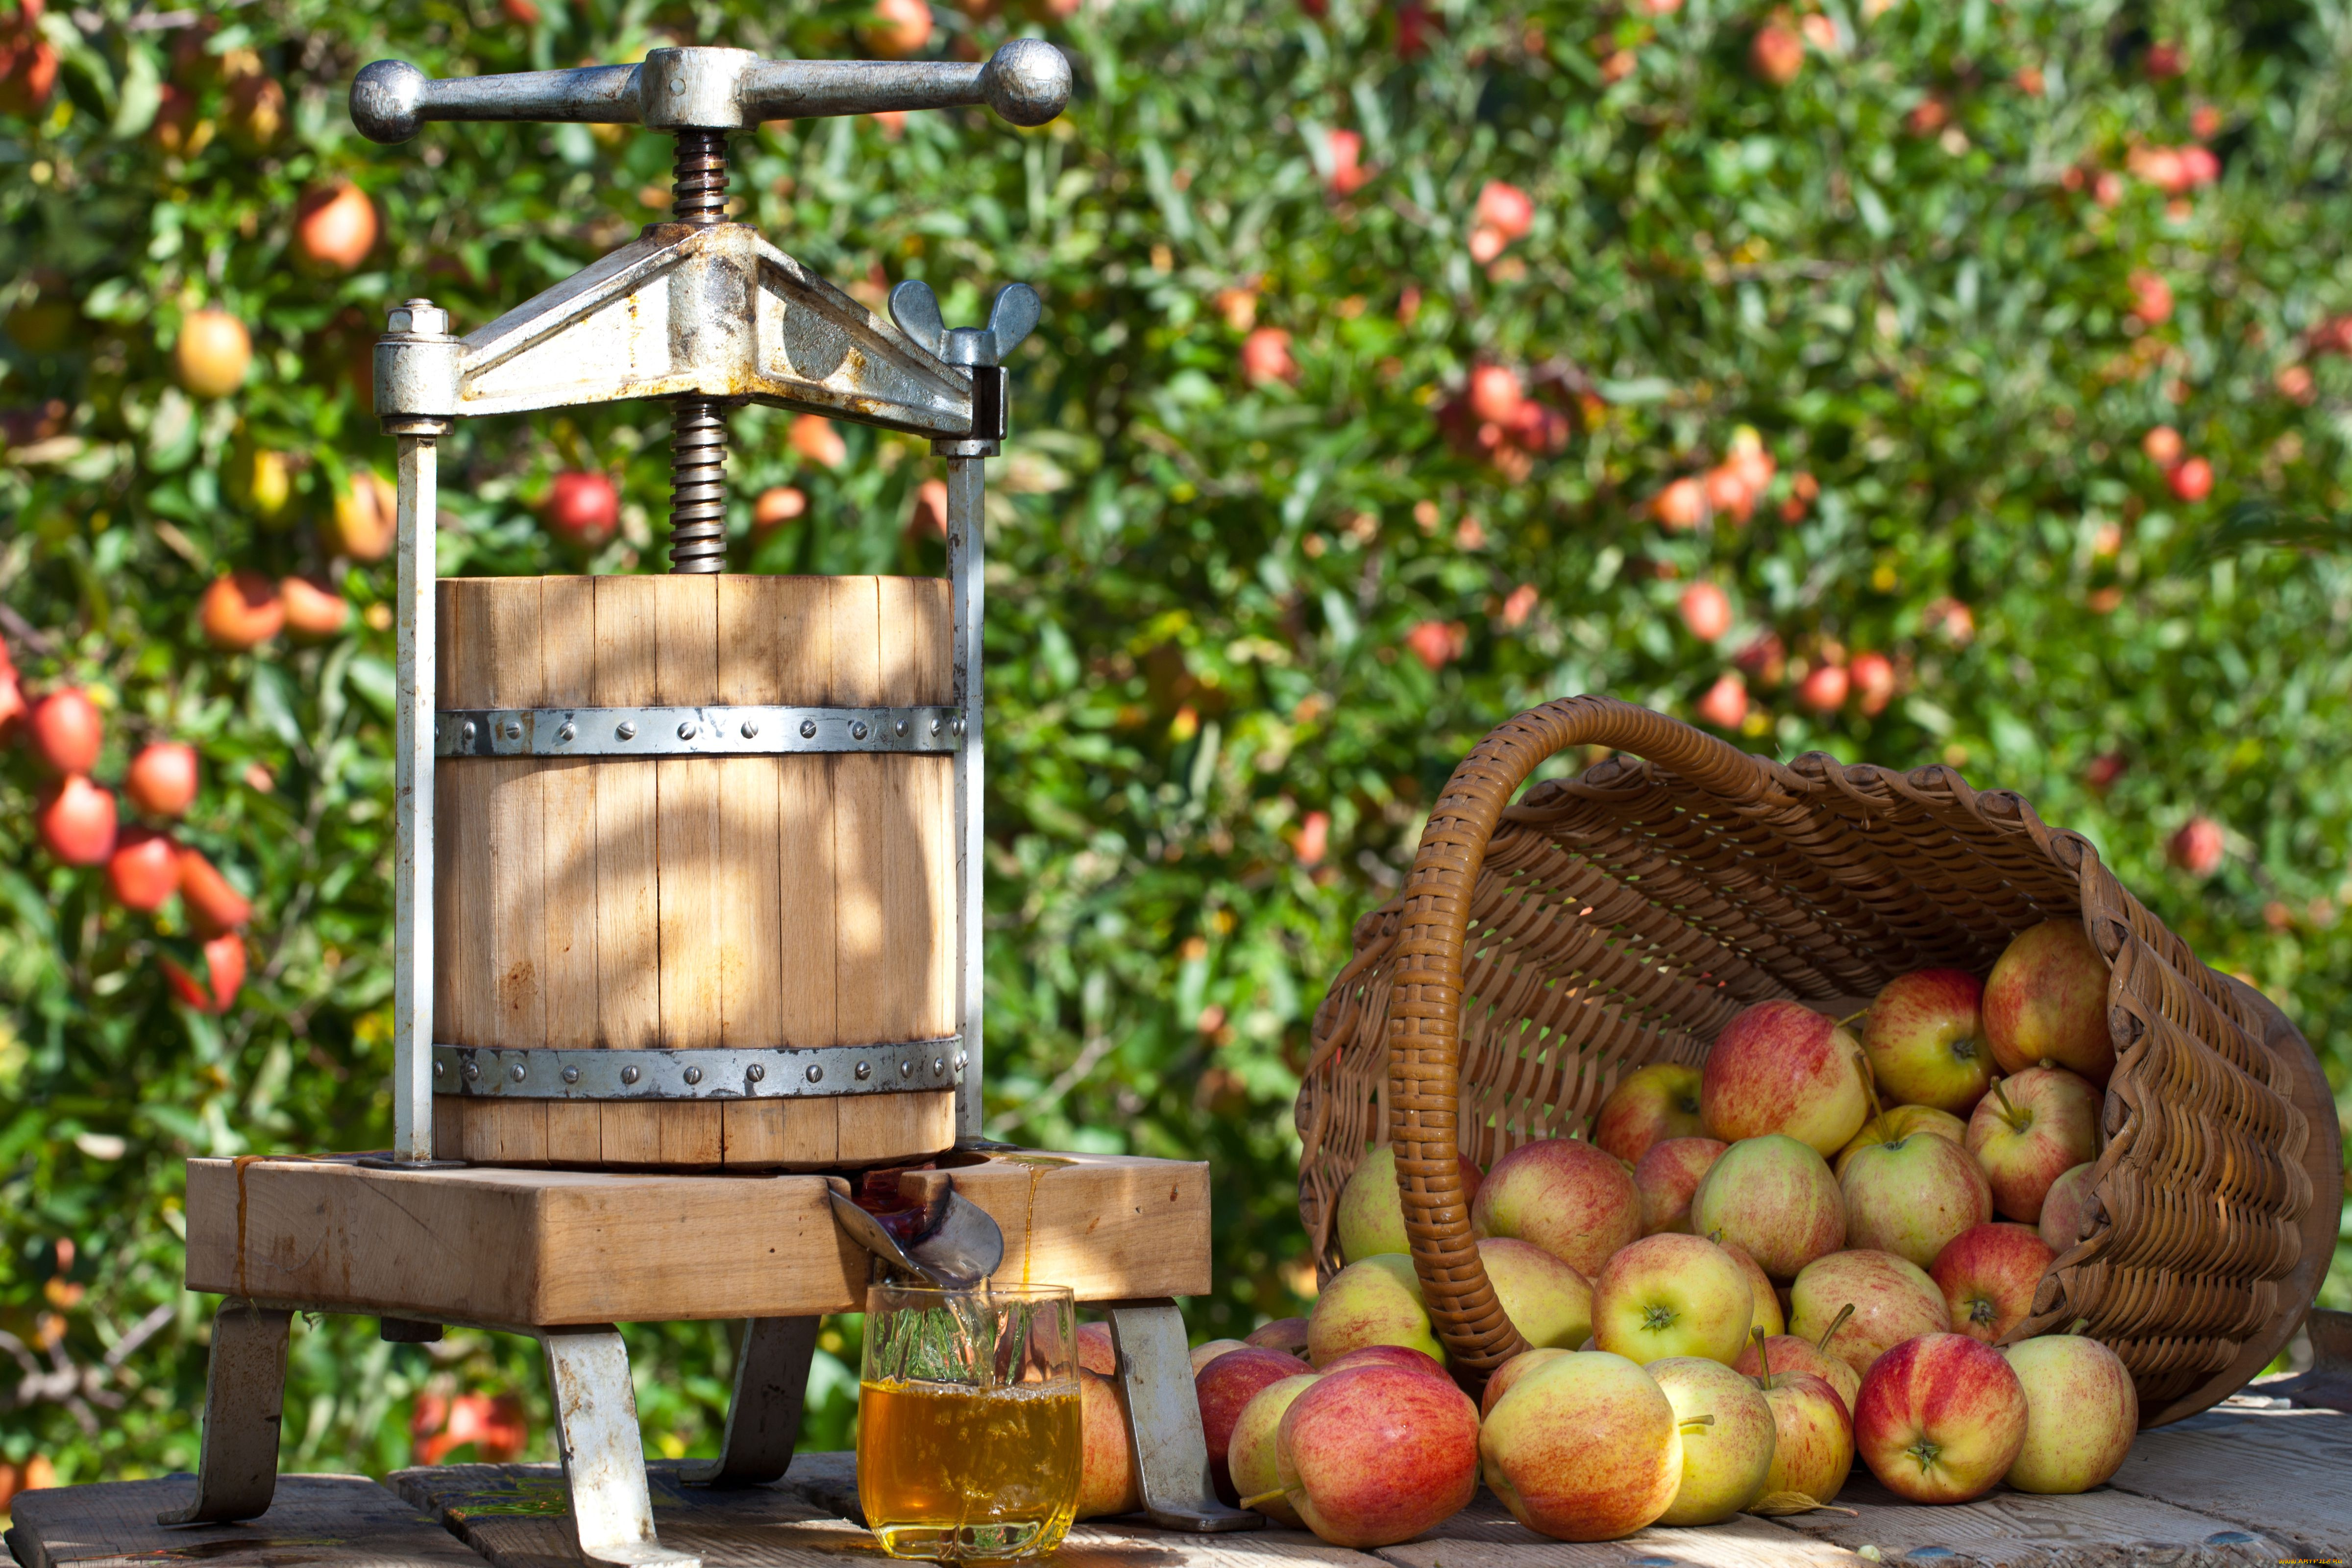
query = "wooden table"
x=2244 y=1484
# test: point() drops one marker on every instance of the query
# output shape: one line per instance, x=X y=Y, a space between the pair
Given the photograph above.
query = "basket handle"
x=1425 y=1004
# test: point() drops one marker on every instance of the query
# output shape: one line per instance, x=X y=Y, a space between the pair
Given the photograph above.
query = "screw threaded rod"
x=698 y=485
x=699 y=178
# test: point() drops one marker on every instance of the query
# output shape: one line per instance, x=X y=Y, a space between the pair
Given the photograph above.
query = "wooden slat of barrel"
x=696 y=902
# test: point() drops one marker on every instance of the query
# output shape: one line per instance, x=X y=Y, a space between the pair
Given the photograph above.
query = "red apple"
x=335 y=228
x=13 y=707
x=161 y=779
x=2199 y=846
x=2162 y=445
x=144 y=870
x=1893 y=1299
x=1786 y=1355
x=1399 y=1356
x=1567 y=1197
x=1584 y=1448
x=1901 y=1121
x=1725 y=706
x=899 y=28
x=2066 y=1208
x=211 y=354
x=1266 y=357
x=1913 y=1196
x=1989 y=1274
x=1727 y=494
x=1667 y=1176
x=1287 y=1335
x=240 y=611
x=76 y=820
x=1371 y=1215
x=1779 y=1067
x=1500 y=1382
x=1727 y=1437
x=1660 y=1100
x=814 y=438
x=1669 y=1296
x=1097 y=1352
x=1924 y=1038
x=2082 y=1411
x=214 y=907
x=1373 y=1455
x=1681 y=506
x=776 y=506
x=2046 y=1000
x=364 y=524
x=313 y=611
x=66 y=732
x=1495 y=394
x=1941 y=1418
x=2151 y=298
x=1825 y=688
x=1250 y=1452
x=1775 y=1199
x=225 y=961
x=1707 y=611
x=1107 y=1482
x=581 y=509
x=1202 y=1355
x=1776 y=54
x=1375 y=1301
x=2192 y=481
x=1548 y=1300
x=1873 y=681
x=2031 y=1129
x=1222 y=1388
x=1813 y=1434
x=1505 y=208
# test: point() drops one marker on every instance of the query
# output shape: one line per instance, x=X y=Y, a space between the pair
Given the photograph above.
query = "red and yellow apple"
x=1286 y=1334
x=2081 y=1412
x=1508 y=1374
x=1925 y=1039
x=1565 y=1196
x=1202 y=1355
x=1768 y=1316
x=1665 y=1177
x=1901 y=1121
x=1912 y=1197
x=2031 y=1129
x=1989 y=1274
x=1774 y=1198
x=1779 y=1067
x=1893 y=1300
x=2066 y=1207
x=1813 y=1434
x=1417 y=1362
x=1670 y=1295
x=1371 y=1218
x=1097 y=1352
x=1727 y=1438
x=1375 y=1303
x=2046 y=1000
x=1374 y=1455
x=1652 y=1104
x=1107 y=1482
x=1940 y=1420
x=1222 y=1388
x=1583 y=1447
x=1548 y=1300
x=1250 y=1451
x=1787 y=1354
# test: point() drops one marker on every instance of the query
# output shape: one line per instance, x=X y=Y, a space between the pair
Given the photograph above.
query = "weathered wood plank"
x=1484 y=1535
x=317 y=1521
x=2285 y=1475
x=628 y=903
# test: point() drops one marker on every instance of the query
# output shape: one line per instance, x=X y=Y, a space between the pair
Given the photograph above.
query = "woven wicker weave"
x=1540 y=952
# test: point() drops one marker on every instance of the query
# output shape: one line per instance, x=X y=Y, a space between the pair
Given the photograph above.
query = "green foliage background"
x=1200 y=587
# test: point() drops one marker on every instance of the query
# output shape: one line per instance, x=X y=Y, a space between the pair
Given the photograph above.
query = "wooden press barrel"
x=694 y=902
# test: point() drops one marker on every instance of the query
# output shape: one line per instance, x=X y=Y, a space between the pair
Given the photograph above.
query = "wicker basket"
x=1540 y=952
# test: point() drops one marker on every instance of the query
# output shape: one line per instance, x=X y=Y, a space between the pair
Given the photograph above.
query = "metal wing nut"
x=1010 y=318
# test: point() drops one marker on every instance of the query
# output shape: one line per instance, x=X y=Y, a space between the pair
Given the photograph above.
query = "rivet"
x=472 y=1071
x=515 y=1072
x=628 y=1075
x=865 y=1071
x=693 y=1075
x=755 y=1072
x=955 y=725
x=514 y=729
x=935 y=726
x=750 y=728
x=961 y=1059
x=857 y=731
x=440 y=1069
x=567 y=731
x=466 y=734
x=685 y=730
x=816 y=1073
x=939 y=1066
x=628 y=729
x=571 y=1075
x=901 y=728
x=808 y=728
x=905 y=1069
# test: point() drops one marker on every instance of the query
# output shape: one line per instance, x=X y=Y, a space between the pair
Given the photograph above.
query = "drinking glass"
x=968 y=1426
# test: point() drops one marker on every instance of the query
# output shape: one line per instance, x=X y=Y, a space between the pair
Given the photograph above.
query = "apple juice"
x=953 y=1471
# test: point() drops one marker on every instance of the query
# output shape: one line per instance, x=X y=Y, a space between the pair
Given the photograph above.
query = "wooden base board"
x=544 y=1247
x=315 y=1521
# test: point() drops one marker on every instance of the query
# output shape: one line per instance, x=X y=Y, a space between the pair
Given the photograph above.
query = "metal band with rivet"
x=677 y=732
x=774 y=1072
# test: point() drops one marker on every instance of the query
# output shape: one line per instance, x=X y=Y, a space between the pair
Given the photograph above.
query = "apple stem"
x=1869 y=1083
x=2008 y=1112
x=1263 y=1498
x=1822 y=1344
x=1763 y=1351
x=2078 y=1325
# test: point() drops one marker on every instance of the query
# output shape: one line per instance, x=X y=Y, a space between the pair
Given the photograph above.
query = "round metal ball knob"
x=1026 y=81
x=387 y=101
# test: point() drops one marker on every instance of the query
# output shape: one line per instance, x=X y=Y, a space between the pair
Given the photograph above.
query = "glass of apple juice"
x=968 y=1428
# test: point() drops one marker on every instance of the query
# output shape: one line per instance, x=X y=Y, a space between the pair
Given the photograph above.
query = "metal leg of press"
x=245 y=1400
x=763 y=1418
x=1163 y=1421
x=604 y=1457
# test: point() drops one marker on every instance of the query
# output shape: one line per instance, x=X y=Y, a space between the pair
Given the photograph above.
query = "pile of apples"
x=1748 y=1275
x=79 y=826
